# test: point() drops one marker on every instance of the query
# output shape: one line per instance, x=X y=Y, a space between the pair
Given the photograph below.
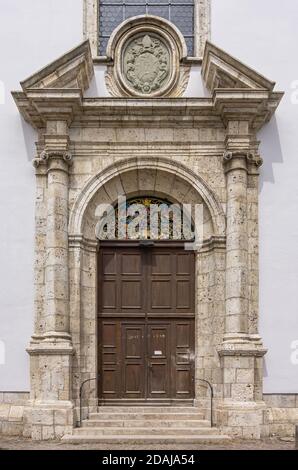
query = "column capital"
x=47 y=156
x=241 y=160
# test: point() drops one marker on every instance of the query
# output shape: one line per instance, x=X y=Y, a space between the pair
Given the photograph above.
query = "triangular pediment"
x=73 y=70
x=221 y=70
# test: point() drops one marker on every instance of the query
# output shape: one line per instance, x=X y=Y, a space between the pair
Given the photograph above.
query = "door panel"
x=109 y=345
x=170 y=281
x=159 y=357
x=133 y=357
x=183 y=367
x=121 y=281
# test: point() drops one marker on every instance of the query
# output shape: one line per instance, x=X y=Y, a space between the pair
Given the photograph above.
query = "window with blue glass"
x=114 y=12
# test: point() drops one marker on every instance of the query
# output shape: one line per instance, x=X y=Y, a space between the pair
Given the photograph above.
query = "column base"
x=51 y=411
x=242 y=413
x=47 y=421
x=244 y=420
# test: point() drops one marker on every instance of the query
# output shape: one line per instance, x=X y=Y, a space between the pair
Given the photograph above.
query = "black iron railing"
x=211 y=400
x=81 y=398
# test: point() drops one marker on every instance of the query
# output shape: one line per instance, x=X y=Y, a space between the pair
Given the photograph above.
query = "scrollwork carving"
x=250 y=157
x=46 y=155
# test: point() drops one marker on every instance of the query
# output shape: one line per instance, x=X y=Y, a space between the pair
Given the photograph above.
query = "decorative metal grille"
x=114 y=12
x=170 y=224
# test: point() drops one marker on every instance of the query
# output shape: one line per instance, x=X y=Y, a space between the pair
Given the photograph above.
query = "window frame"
x=201 y=26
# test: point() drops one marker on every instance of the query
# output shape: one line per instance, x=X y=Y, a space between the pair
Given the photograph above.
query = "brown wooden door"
x=146 y=323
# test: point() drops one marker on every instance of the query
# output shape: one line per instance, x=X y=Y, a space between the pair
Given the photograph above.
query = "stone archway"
x=135 y=176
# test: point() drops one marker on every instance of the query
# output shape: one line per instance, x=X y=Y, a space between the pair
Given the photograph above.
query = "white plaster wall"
x=264 y=34
x=32 y=33
x=261 y=34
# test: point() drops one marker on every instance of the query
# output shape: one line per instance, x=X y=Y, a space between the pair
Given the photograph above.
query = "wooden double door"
x=146 y=323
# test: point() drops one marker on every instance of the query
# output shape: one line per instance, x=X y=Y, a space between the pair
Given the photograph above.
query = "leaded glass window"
x=114 y=12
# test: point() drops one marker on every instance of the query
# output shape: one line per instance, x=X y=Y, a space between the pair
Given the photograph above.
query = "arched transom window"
x=145 y=218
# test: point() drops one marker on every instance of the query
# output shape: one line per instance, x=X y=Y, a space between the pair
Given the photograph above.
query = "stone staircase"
x=145 y=425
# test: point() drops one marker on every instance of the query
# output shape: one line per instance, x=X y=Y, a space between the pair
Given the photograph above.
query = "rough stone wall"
x=12 y=412
x=282 y=414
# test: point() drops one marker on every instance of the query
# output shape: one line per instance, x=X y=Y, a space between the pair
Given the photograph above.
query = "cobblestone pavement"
x=27 y=444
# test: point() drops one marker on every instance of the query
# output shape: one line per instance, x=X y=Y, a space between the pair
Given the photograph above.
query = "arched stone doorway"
x=163 y=179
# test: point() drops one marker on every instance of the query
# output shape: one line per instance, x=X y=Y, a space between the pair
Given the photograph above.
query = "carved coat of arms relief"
x=146 y=64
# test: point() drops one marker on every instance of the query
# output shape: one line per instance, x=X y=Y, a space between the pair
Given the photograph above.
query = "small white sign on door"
x=158 y=353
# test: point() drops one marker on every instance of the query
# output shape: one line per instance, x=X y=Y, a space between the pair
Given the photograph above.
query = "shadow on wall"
x=97 y=86
x=30 y=137
x=270 y=150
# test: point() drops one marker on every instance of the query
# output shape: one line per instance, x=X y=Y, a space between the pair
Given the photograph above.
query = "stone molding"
x=80 y=242
x=213 y=243
x=247 y=349
x=46 y=350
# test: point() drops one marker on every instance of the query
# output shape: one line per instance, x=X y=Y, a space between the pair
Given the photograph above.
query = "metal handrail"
x=81 y=395
x=211 y=399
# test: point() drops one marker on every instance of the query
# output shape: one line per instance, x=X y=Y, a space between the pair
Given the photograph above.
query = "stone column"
x=56 y=269
x=51 y=414
x=242 y=411
x=236 y=323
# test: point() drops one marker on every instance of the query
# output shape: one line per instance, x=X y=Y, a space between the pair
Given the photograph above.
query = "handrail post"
x=211 y=399
x=80 y=397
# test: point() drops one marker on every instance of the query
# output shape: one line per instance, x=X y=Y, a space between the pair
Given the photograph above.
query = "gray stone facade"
x=192 y=150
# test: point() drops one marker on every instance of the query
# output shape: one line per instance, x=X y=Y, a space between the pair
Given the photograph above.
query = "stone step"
x=144 y=423
x=109 y=431
x=145 y=439
x=148 y=409
x=146 y=416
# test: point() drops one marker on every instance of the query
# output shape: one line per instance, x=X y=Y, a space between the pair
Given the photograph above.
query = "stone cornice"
x=39 y=106
x=56 y=91
x=47 y=95
x=72 y=70
x=255 y=107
